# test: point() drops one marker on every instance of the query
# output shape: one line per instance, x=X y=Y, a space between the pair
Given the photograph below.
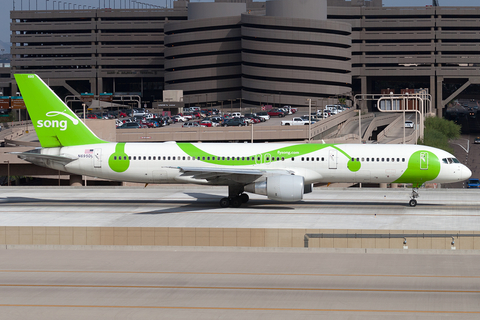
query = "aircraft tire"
x=236 y=202
x=244 y=197
x=412 y=203
x=224 y=203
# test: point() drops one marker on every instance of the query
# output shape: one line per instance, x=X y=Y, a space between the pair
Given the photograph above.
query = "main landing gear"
x=413 y=197
x=235 y=197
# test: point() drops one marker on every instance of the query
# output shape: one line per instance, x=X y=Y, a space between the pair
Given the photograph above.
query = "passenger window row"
x=198 y=158
x=378 y=159
x=311 y=159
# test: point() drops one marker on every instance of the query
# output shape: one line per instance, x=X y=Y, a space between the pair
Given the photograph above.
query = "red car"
x=276 y=113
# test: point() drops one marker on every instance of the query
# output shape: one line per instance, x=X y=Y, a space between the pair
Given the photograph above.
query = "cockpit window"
x=450 y=160
x=444 y=160
x=455 y=160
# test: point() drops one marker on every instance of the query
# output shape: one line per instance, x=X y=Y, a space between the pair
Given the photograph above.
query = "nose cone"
x=466 y=173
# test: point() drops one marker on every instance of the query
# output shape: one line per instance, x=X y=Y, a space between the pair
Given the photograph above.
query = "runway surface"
x=197 y=206
x=236 y=284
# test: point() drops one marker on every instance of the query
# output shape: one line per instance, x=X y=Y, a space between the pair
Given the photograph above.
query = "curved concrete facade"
x=288 y=60
x=260 y=59
x=203 y=58
x=302 y=9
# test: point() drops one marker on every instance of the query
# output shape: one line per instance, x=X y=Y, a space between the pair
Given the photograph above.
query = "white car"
x=179 y=118
x=409 y=124
x=263 y=115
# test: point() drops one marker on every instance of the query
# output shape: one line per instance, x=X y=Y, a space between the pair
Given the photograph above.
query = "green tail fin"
x=56 y=125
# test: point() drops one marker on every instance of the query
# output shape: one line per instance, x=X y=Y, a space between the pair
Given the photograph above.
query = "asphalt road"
x=197 y=206
x=236 y=284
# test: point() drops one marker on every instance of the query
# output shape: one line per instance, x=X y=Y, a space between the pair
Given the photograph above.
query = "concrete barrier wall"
x=140 y=236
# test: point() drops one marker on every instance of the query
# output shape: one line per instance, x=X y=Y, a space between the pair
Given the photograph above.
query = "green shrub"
x=438 y=132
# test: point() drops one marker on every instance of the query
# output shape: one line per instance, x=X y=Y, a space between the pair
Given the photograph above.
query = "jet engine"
x=280 y=187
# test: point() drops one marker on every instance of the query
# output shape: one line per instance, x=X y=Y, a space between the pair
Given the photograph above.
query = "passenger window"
x=383 y=159
x=378 y=159
x=368 y=159
x=388 y=159
x=183 y=158
x=223 y=158
x=208 y=158
x=203 y=158
x=173 y=158
x=279 y=158
x=293 y=158
x=243 y=158
x=393 y=159
x=283 y=158
x=149 y=158
x=163 y=157
x=403 y=159
x=307 y=159
x=124 y=157
x=168 y=158
x=114 y=157
x=358 y=159
x=303 y=159
x=238 y=158
x=268 y=158
x=318 y=159
x=323 y=159
x=363 y=159
x=129 y=158
x=353 y=159
x=398 y=159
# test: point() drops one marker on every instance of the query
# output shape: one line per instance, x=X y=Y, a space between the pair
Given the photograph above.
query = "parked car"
x=477 y=140
x=179 y=118
x=263 y=115
x=473 y=183
x=234 y=122
x=296 y=121
x=191 y=124
x=276 y=113
x=130 y=125
x=208 y=123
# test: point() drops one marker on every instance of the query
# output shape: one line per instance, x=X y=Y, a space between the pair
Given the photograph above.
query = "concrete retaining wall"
x=217 y=237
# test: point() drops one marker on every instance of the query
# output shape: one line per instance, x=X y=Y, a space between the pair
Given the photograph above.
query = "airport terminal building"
x=251 y=53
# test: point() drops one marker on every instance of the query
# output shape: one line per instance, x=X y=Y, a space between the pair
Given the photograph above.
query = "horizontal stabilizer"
x=42 y=159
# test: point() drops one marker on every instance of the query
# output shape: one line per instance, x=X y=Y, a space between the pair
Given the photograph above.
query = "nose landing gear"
x=413 y=197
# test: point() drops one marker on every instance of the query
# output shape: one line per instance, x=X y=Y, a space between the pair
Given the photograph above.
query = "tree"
x=438 y=132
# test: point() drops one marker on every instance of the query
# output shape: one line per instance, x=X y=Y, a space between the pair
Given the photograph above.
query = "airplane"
x=280 y=171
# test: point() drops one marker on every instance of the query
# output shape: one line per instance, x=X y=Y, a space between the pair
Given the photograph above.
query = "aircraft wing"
x=43 y=159
x=230 y=174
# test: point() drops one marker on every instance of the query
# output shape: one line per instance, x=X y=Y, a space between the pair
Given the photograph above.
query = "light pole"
x=8 y=172
x=231 y=104
x=309 y=119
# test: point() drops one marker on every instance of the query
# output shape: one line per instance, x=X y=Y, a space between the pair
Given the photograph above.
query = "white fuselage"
x=161 y=162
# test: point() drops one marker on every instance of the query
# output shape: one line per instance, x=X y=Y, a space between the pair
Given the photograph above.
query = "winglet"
x=55 y=124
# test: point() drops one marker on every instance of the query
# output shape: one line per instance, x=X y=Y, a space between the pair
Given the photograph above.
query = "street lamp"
x=231 y=104
x=8 y=172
